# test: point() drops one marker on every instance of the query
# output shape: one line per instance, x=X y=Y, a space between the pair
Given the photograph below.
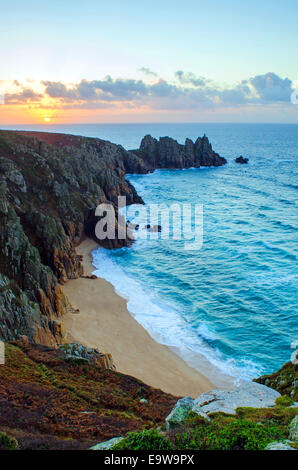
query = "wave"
x=277 y=249
x=165 y=323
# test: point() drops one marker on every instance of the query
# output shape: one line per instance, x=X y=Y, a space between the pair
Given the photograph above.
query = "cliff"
x=50 y=185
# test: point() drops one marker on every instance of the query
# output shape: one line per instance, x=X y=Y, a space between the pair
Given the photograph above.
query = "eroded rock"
x=80 y=354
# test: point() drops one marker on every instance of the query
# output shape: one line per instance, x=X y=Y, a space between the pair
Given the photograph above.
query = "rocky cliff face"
x=50 y=185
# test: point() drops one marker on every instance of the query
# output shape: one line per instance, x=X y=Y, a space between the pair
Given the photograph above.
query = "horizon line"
x=49 y=125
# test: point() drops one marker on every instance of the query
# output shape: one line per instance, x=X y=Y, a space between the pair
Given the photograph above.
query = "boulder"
x=241 y=159
x=80 y=354
x=106 y=445
x=293 y=435
x=179 y=413
x=249 y=394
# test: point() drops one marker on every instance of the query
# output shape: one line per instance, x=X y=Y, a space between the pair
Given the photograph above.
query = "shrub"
x=284 y=400
x=7 y=443
x=145 y=440
x=235 y=435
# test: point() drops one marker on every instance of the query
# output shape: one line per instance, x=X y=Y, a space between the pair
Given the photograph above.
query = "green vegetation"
x=285 y=380
x=7 y=443
x=284 y=400
x=145 y=440
x=233 y=435
x=249 y=429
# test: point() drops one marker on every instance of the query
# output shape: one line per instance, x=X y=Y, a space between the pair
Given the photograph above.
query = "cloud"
x=27 y=95
x=191 y=92
x=147 y=71
x=271 y=88
x=121 y=88
x=189 y=78
x=59 y=90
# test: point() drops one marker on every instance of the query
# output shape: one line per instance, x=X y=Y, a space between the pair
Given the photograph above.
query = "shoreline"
x=105 y=322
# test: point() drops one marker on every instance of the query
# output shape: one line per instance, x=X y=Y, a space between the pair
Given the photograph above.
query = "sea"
x=232 y=302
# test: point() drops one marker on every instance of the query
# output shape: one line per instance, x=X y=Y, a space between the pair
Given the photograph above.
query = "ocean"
x=234 y=301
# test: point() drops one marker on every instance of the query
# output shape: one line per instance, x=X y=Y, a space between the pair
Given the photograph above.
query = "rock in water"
x=241 y=160
x=179 y=413
x=168 y=153
x=226 y=401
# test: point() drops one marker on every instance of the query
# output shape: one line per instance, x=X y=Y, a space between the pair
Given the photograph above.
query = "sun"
x=47 y=119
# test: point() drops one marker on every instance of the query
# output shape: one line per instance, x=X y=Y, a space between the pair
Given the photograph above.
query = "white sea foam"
x=166 y=325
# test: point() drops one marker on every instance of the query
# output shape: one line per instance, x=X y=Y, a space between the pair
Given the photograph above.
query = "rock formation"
x=285 y=380
x=79 y=354
x=241 y=159
x=168 y=153
x=223 y=401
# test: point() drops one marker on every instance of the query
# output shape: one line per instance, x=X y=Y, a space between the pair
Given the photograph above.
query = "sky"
x=148 y=61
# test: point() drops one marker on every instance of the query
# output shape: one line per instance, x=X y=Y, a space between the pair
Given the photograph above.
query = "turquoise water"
x=234 y=301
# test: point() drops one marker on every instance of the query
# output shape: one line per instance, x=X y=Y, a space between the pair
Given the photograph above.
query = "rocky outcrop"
x=285 y=380
x=249 y=394
x=168 y=153
x=79 y=354
x=179 y=413
x=241 y=159
x=222 y=401
x=227 y=401
x=50 y=185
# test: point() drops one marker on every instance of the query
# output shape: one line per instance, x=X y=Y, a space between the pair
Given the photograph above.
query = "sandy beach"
x=104 y=322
